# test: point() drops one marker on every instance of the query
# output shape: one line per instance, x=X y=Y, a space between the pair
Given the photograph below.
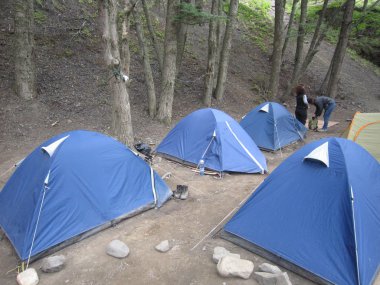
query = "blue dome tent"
x=272 y=127
x=71 y=186
x=318 y=211
x=213 y=136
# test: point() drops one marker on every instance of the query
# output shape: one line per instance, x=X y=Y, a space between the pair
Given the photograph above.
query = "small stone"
x=220 y=252
x=204 y=248
x=118 y=249
x=28 y=277
x=53 y=263
x=266 y=267
x=265 y=278
x=163 y=246
x=231 y=266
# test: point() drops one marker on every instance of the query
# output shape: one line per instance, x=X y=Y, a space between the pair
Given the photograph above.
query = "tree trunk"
x=169 y=65
x=24 y=49
x=152 y=34
x=147 y=69
x=290 y=24
x=299 y=49
x=121 y=110
x=340 y=49
x=300 y=41
x=199 y=5
x=277 y=48
x=365 y=4
x=219 y=41
x=225 y=54
x=212 y=53
x=125 y=53
x=318 y=36
x=182 y=28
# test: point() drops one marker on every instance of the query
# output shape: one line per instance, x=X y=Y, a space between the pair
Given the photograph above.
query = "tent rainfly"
x=74 y=185
x=213 y=136
x=272 y=127
x=317 y=214
x=365 y=130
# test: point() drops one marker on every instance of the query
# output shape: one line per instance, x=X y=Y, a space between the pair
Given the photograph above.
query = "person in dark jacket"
x=302 y=104
x=323 y=103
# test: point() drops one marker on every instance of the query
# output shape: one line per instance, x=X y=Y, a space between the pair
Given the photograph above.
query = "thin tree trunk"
x=152 y=34
x=277 y=48
x=365 y=4
x=152 y=105
x=219 y=42
x=299 y=48
x=182 y=28
x=290 y=24
x=340 y=51
x=125 y=52
x=300 y=41
x=224 y=58
x=121 y=110
x=323 y=88
x=212 y=53
x=199 y=5
x=24 y=50
x=318 y=37
x=164 y=113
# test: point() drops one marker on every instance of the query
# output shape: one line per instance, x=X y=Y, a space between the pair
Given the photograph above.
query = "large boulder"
x=118 y=249
x=53 y=263
x=220 y=252
x=266 y=278
x=28 y=277
x=231 y=266
x=266 y=267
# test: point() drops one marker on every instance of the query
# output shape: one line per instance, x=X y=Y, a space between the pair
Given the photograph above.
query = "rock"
x=266 y=267
x=230 y=266
x=28 y=277
x=220 y=252
x=163 y=246
x=265 y=278
x=118 y=249
x=53 y=263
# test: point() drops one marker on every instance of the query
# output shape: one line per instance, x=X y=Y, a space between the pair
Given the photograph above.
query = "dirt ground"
x=74 y=94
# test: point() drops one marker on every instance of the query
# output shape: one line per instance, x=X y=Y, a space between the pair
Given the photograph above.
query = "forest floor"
x=73 y=93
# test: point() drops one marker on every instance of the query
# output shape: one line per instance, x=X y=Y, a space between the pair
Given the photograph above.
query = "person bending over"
x=323 y=103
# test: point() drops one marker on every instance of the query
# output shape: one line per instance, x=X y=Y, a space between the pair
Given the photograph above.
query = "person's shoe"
x=322 y=130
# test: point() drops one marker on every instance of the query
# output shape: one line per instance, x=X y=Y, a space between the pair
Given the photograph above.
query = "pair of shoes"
x=322 y=130
x=182 y=192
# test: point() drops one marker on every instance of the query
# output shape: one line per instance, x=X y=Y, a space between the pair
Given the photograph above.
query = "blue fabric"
x=192 y=139
x=303 y=213
x=93 y=179
x=274 y=129
x=327 y=114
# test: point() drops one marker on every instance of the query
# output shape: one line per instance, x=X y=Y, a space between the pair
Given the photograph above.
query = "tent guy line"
x=228 y=215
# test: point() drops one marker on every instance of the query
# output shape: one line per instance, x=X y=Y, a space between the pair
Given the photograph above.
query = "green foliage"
x=58 y=5
x=191 y=15
x=40 y=2
x=88 y=2
x=39 y=17
x=86 y=32
x=255 y=16
x=67 y=53
x=365 y=32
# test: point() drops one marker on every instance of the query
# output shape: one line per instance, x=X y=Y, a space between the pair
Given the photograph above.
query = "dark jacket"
x=300 y=103
x=321 y=103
